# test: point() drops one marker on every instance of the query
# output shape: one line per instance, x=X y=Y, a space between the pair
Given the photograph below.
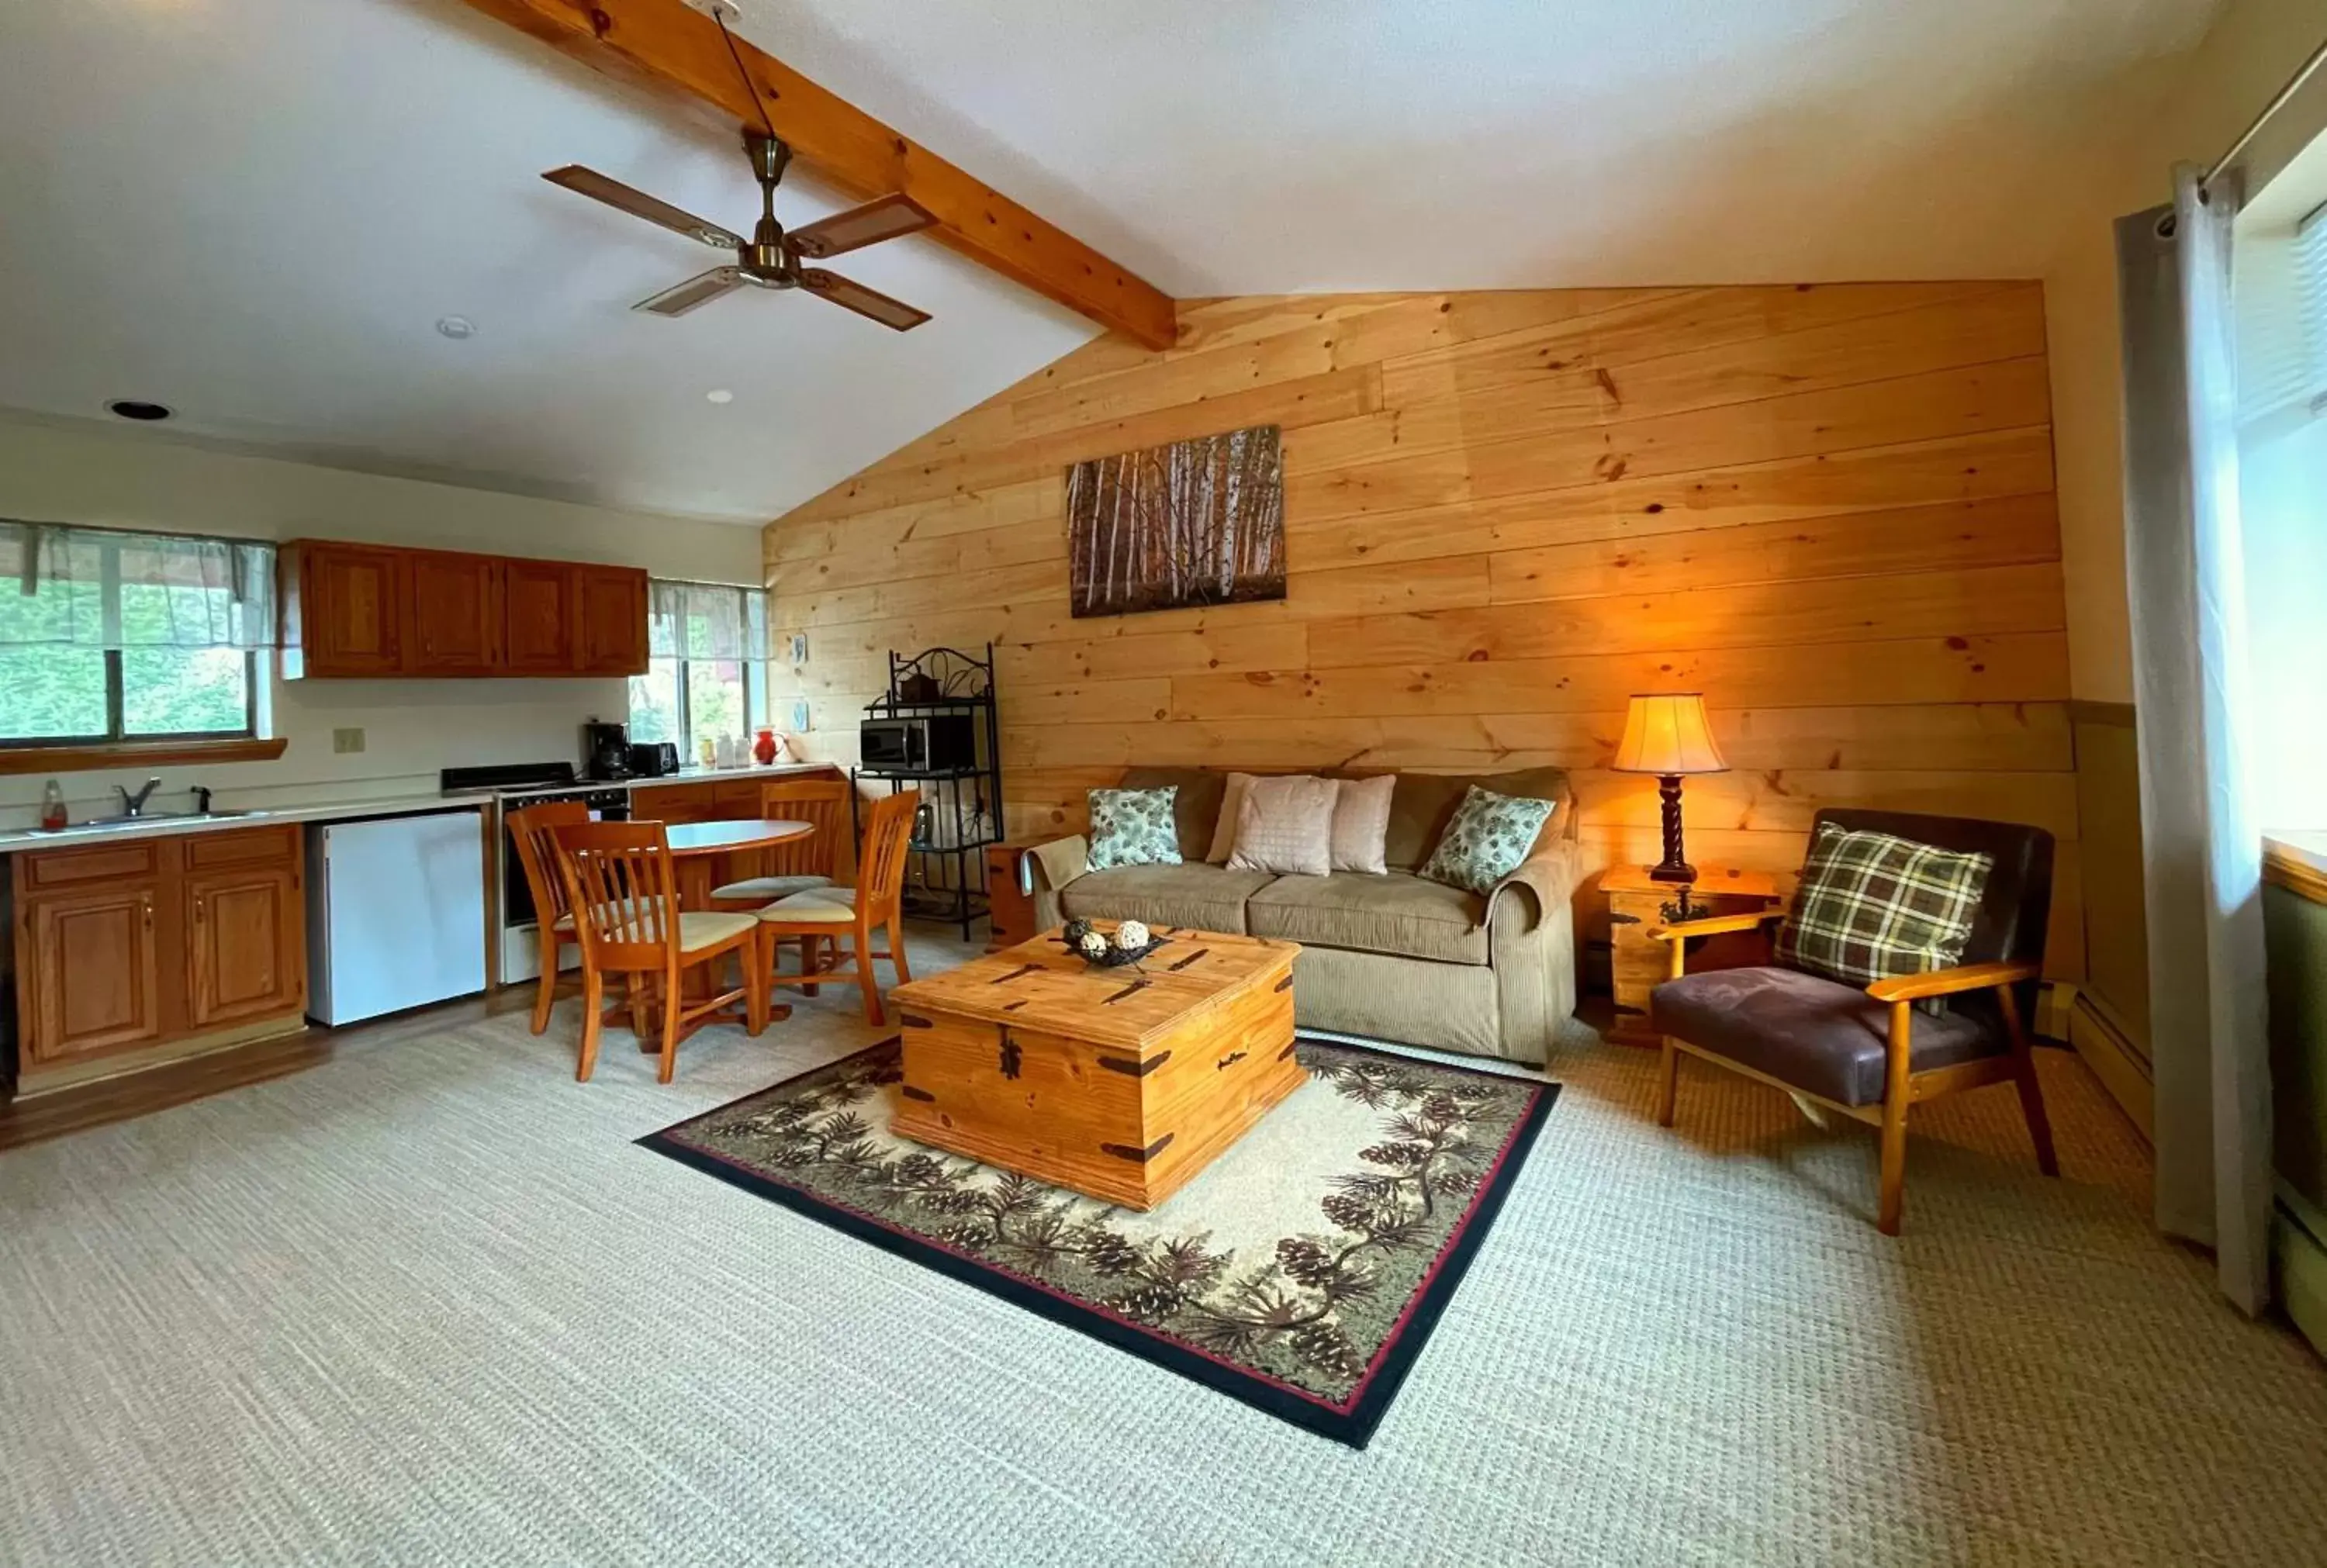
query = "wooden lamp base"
x=1675 y=866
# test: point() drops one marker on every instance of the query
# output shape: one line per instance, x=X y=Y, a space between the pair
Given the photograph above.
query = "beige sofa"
x=1388 y=958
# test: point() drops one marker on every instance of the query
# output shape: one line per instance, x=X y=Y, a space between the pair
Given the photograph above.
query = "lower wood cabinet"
x=246 y=936
x=123 y=947
x=90 y=973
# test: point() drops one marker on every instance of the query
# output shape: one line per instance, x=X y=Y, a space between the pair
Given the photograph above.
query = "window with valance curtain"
x=707 y=665
x=108 y=634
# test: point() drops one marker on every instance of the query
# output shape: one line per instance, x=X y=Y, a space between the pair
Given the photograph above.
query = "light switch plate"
x=347 y=741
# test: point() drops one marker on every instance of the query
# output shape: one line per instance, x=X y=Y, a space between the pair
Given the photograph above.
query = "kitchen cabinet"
x=453 y=605
x=247 y=940
x=129 y=948
x=90 y=976
x=347 y=612
x=371 y=611
x=537 y=617
x=609 y=621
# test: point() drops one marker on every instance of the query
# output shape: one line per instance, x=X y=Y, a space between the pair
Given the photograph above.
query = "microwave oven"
x=931 y=744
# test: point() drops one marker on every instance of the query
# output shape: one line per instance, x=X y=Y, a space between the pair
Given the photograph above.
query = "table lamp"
x=1668 y=737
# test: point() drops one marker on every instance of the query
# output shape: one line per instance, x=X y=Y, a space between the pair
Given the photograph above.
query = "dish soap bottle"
x=52 y=805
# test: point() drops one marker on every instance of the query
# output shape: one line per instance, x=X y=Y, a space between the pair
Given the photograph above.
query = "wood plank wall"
x=1830 y=509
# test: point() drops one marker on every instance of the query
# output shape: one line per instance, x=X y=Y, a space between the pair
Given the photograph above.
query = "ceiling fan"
x=772 y=258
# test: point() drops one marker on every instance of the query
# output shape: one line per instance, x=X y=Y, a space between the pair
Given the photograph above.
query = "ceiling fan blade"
x=863 y=301
x=884 y=218
x=699 y=289
x=638 y=204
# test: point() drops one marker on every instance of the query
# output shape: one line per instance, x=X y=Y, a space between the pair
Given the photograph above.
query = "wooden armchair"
x=618 y=884
x=1869 y=1052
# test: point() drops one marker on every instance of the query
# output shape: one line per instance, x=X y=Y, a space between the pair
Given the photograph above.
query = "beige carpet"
x=426 y=1305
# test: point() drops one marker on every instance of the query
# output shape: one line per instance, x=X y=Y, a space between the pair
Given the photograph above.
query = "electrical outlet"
x=799 y=648
x=800 y=724
x=345 y=741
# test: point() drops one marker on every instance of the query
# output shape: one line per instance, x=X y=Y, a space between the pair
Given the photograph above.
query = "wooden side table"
x=1010 y=912
x=1637 y=905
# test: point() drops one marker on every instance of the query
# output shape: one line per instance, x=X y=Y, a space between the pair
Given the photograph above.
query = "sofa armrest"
x=1542 y=882
x=1054 y=865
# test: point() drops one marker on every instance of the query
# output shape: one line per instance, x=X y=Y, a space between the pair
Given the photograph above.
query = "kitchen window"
x=706 y=667
x=109 y=636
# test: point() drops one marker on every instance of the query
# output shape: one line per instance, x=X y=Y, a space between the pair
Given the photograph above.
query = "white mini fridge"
x=396 y=913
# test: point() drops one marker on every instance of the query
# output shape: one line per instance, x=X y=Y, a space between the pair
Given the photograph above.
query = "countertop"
x=163 y=824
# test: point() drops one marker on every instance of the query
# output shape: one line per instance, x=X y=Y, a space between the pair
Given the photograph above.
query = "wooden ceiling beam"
x=668 y=45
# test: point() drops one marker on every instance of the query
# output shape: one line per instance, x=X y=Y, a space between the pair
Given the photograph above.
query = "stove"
x=513 y=785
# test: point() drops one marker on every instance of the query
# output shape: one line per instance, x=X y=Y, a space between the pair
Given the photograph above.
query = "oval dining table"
x=697 y=846
x=694 y=851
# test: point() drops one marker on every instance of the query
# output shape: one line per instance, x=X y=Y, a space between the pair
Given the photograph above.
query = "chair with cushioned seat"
x=530 y=830
x=620 y=885
x=798 y=866
x=1870 y=1052
x=824 y=915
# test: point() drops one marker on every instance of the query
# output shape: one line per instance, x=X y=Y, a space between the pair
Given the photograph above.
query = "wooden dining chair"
x=529 y=829
x=827 y=915
x=800 y=864
x=618 y=884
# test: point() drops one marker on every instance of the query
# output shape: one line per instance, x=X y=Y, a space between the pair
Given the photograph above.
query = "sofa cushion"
x=1422 y=804
x=1133 y=827
x=1489 y=835
x=1206 y=897
x=1397 y=913
x=1195 y=810
x=1814 y=1033
x=1285 y=824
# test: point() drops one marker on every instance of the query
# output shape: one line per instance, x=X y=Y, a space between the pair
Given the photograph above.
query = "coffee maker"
x=607 y=749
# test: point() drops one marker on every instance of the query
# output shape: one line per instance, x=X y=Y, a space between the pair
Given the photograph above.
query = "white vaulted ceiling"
x=257 y=209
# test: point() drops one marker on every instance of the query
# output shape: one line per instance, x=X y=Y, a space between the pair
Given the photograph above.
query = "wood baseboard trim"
x=2109 y=1051
x=36 y=1081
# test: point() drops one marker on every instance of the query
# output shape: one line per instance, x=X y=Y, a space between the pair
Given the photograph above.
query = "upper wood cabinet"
x=610 y=618
x=538 y=597
x=453 y=613
x=370 y=610
x=343 y=605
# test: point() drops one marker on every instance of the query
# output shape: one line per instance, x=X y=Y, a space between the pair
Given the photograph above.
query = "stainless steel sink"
x=210 y=816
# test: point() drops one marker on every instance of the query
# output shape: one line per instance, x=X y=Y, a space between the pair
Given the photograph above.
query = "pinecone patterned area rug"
x=1301 y=1271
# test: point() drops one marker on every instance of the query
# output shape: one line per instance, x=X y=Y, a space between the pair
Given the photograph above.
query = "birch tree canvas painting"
x=1197 y=522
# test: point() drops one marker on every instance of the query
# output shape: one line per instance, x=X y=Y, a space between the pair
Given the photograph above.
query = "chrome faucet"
x=135 y=805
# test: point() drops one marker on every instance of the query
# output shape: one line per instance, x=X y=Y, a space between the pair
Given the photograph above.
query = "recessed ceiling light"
x=140 y=410
x=720 y=395
x=456 y=326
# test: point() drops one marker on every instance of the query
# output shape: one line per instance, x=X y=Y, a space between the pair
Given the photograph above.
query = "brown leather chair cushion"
x=1815 y=1034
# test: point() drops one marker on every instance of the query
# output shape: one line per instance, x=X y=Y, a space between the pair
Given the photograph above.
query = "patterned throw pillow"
x=1134 y=828
x=1872 y=905
x=1489 y=835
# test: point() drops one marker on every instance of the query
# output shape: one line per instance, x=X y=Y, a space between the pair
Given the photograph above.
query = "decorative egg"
x=1094 y=943
x=1131 y=936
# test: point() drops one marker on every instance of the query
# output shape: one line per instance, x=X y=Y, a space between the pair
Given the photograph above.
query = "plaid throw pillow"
x=1871 y=906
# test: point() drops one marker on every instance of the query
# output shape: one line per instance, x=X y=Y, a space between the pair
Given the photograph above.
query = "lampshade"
x=1668 y=734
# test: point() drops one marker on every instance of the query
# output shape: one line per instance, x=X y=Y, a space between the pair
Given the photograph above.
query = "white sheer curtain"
x=2201 y=846
x=703 y=620
x=105 y=588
